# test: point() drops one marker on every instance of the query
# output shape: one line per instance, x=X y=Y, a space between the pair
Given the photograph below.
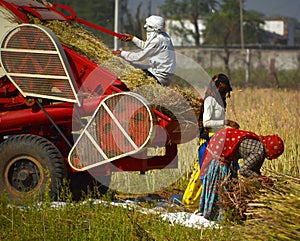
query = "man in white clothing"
x=158 y=49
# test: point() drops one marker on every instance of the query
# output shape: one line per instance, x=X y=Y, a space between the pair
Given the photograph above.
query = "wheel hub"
x=24 y=174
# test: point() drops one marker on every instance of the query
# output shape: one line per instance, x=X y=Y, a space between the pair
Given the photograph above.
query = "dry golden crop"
x=267 y=112
x=272 y=213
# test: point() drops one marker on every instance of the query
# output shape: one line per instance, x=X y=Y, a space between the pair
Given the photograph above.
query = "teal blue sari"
x=210 y=197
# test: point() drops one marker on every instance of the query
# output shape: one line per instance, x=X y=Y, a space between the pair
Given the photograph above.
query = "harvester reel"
x=121 y=125
x=35 y=62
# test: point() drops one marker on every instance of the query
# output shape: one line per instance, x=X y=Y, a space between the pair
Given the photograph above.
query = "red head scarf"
x=274 y=146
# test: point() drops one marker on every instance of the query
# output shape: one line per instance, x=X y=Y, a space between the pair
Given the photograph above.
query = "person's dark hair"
x=218 y=84
x=218 y=87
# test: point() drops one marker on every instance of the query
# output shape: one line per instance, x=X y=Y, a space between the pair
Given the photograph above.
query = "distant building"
x=182 y=37
x=278 y=31
x=284 y=28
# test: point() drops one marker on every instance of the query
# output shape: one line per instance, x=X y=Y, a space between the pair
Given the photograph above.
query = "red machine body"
x=65 y=117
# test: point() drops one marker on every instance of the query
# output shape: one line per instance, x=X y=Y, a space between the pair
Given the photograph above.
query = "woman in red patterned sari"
x=220 y=159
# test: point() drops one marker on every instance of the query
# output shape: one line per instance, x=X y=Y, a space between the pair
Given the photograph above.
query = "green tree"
x=253 y=32
x=98 y=12
x=130 y=21
x=191 y=10
x=224 y=27
x=133 y=20
x=297 y=33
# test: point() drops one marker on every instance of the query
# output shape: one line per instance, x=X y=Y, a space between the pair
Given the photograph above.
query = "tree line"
x=224 y=19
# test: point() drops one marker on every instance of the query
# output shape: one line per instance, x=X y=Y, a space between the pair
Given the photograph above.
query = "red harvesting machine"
x=64 y=116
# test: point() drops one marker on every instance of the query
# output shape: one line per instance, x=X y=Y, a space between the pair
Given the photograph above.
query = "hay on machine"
x=76 y=37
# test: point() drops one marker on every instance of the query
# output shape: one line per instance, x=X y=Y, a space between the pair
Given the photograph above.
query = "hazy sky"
x=285 y=8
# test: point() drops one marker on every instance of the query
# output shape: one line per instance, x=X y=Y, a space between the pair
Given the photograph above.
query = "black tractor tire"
x=29 y=166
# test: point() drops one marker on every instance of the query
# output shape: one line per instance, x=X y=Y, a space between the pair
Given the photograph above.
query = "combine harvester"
x=63 y=116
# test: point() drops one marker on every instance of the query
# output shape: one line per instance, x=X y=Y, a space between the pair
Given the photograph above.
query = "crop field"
x=275 y=211
x=271 y=111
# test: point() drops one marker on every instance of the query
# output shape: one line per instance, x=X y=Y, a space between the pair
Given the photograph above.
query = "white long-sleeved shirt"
x=159 y=49
x=214 y=114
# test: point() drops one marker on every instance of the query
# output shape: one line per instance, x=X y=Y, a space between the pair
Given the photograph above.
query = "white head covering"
x=155 y=22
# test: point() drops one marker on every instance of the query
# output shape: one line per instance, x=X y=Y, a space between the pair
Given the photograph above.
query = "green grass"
x=261 y=78
x=87 y=221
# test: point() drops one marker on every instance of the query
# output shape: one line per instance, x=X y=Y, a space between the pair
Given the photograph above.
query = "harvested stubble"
x=236 y=194
x=270 y=213
x=81 y=40
x=279 y=214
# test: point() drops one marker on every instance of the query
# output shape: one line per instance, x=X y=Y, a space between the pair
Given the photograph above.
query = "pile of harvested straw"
x=79 y=39
x=270 y=213
x=276 y=212
x=236 y=194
